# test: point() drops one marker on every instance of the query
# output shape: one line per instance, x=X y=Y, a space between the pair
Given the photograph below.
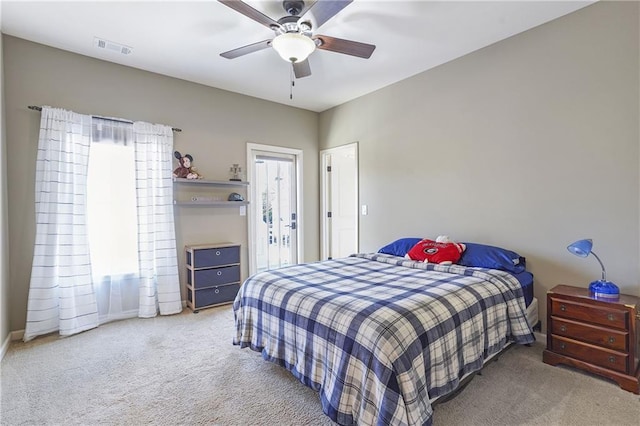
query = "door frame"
x=324 y=199
x=251 y=196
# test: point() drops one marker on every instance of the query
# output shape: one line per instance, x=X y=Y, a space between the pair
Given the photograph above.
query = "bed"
x=378 y=336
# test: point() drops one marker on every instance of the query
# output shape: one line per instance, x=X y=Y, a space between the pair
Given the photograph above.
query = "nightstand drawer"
x=218 y=256
x=612 y=339
x=602 y=357
x=212 y=296
x=594 y=314
x=215 y=276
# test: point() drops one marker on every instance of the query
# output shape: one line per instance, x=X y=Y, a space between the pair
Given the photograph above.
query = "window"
x=111 y=203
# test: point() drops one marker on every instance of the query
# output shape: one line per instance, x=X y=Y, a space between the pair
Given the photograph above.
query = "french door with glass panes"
x=274 y=208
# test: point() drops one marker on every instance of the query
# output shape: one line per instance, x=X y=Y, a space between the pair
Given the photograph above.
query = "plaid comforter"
x=380 y=336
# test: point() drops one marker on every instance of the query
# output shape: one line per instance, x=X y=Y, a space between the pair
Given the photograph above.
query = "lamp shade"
x=581 y=248
x=293 y=47
x=601 y=289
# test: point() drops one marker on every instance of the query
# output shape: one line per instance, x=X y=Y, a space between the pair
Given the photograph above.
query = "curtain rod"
x=37 y=108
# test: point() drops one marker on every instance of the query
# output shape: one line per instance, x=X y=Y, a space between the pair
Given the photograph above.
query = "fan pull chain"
x=293 y=82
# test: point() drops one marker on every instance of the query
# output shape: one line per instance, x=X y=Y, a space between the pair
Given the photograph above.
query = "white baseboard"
x=5 y=346
x=540 y=337
x=13 y=335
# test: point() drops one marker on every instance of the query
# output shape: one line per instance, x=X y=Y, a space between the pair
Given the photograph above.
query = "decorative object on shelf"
x=184 y=169
x=600 y=288
x=236 y=172
x=234 y=196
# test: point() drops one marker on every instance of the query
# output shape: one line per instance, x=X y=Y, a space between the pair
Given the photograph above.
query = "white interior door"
x=274 y=213
x=339 y=201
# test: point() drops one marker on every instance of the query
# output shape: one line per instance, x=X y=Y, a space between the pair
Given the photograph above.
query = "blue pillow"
x=484 y=256
x=400 y=247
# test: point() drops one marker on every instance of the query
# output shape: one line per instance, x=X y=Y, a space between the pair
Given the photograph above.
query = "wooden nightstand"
x=601 y=337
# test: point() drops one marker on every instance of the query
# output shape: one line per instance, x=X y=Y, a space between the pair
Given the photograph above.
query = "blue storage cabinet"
x=213 y=274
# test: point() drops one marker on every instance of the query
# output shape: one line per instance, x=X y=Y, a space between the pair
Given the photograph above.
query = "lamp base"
x=604 y=290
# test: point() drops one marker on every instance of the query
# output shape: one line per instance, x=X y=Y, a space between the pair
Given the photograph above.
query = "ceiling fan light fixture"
x=293 y=47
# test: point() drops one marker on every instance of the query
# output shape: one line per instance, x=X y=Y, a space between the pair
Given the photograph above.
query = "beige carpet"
x=183 y=369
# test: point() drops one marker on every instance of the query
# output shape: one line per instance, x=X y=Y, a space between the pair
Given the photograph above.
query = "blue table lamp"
x=601 y=288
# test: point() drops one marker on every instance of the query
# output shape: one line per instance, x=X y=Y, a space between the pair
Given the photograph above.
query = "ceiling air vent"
x=110 y=45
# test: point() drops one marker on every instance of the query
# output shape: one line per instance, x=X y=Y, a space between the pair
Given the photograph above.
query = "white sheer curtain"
x=159 y=285
x=70 y=290
x=112 y=220
x=61 y=293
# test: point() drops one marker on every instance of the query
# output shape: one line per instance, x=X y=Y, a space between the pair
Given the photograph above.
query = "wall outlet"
x=365 y=210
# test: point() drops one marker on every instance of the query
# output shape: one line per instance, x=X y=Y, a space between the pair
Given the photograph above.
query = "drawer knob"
x=612 y=339
x=563 y=328
x=612 y=359
x=611 y=317
x=219 y=273
x=563 y=346
x=563 y=308
x=217 y=252
x=216 y=291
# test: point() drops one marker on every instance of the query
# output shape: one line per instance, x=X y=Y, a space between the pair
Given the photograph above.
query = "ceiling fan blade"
x=302 y=69
x=348 y=47
x=250 y=48
x=250 y=12
x=323 y=10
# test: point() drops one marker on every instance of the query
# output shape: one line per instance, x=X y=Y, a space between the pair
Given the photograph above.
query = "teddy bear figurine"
x=184 y=169
x=442 y=251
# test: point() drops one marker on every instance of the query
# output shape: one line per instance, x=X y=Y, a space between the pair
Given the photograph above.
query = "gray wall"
x=529 y=144
x=216 y=127
x=4 y=238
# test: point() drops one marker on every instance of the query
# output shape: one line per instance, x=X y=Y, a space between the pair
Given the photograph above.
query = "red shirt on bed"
x=434 y=252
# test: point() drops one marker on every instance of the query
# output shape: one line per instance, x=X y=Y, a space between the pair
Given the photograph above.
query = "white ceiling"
x=184 y=39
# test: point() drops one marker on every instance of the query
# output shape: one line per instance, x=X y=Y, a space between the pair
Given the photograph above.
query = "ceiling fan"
x=294 y=40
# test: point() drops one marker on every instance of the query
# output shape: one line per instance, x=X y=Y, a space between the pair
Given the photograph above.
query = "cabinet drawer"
x=594 y=314
x=212 y=296
x=606 y=358
x=203 y=258
x=601 y=336
x=215 y=276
